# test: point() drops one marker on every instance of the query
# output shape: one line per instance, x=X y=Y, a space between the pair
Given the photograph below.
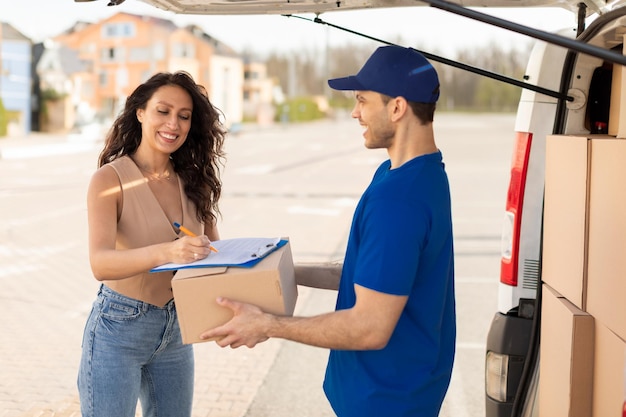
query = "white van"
x=568 y=90
x=591 y=107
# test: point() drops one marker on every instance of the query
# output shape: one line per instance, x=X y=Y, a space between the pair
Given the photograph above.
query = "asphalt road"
x=326 y=169
x=301 y=181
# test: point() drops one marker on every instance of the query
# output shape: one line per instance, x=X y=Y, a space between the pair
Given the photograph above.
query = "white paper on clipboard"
x=231 y=252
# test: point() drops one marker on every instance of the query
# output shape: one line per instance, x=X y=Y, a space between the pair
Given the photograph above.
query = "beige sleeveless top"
x=142 y=223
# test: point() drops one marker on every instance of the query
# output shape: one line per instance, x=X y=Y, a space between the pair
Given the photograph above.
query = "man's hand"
x=248 y=326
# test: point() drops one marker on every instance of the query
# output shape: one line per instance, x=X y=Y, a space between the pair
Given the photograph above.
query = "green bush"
x=50 y=94
x=301 y=109
x=46 y=96
x=4 y=120
x=343 y=101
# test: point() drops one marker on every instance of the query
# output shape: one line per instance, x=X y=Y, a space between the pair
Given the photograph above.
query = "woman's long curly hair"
x=198 y=161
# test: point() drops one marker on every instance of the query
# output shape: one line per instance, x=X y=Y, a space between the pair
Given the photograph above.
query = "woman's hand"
x=189 y=249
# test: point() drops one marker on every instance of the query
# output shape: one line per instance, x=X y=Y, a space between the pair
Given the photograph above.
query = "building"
x=126 y=49
x=260 y=93
x=15 y=79
x=61 y=83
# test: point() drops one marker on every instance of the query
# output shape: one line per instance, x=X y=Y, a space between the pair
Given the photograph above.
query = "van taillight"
x=513 y=214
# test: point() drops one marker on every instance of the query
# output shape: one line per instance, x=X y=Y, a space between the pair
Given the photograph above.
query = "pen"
x=190 y=233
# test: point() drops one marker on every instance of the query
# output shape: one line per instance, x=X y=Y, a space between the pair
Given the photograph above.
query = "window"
x=87 y=90
x=88 y=48
x=117 y=54
x=158 y=51
x=103 y=79
x=251 y=75
x=183 y=50
x=118 y=30
x=139 y=54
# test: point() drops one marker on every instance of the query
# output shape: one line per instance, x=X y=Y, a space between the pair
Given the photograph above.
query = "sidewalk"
x=43 y=144
x=48 y=291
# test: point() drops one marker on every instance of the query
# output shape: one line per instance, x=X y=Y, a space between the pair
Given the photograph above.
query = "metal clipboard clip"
x=264 y=250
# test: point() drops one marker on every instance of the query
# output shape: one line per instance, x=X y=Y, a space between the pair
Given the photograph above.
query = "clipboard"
x=238 y=252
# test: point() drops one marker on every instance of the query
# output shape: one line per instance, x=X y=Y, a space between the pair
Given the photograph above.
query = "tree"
x=305 y=73
x=4 y=120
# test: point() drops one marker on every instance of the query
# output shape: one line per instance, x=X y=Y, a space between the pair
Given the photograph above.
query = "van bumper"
x=508 y=335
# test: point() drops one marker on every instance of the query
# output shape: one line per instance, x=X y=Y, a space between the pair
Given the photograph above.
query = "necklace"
x=155 y=175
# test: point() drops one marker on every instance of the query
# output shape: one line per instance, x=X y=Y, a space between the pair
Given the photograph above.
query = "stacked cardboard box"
x=606 y=273
x=565 y=217
x=606 y=286
x=584 y=271
x=566 y=366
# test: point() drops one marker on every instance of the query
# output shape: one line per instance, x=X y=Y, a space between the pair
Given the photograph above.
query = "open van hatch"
x=234 y=7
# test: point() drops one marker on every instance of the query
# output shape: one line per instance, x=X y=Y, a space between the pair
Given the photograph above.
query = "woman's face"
x=166 y=120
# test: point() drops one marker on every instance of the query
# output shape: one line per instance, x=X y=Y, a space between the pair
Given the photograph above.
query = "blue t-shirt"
x=400 y=243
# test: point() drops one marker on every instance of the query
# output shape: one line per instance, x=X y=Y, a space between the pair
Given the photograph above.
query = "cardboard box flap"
x=199 y=272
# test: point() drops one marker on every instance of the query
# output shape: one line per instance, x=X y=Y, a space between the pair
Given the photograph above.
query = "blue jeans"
x=133 y=350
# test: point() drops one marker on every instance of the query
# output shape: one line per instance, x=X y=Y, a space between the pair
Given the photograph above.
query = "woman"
x=160 y=166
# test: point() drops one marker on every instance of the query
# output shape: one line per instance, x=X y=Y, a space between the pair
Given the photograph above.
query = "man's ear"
x=398 y=108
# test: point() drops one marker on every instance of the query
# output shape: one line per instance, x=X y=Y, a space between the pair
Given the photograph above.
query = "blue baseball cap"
x=394 y=71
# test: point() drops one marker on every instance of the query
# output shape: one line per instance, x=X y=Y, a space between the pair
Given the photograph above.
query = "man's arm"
x=366 y=326
x=319 y=275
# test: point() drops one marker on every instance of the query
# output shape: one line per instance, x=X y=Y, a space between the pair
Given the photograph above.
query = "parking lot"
x=300 y=181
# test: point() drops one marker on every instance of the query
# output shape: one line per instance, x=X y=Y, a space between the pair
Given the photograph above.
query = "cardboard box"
x=270 y=284
x=565 y=216
x=606 y=276
x=566 y=352
x=609 y=367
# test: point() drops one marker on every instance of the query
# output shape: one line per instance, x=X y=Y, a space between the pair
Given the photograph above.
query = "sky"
x=426 y=28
